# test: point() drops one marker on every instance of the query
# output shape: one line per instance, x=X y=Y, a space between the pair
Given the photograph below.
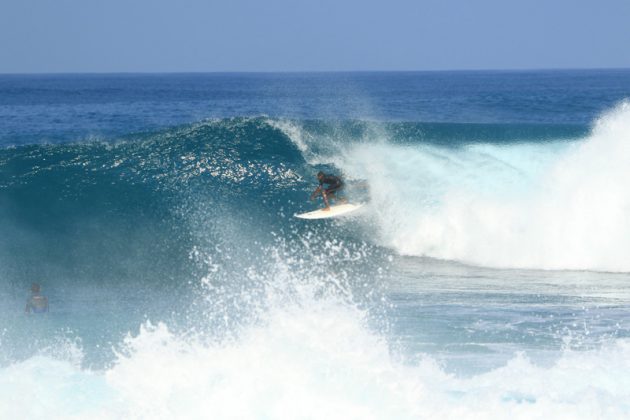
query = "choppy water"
x=488 y=276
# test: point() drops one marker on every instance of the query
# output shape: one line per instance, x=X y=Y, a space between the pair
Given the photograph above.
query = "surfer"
x=37 y=303
x=329 y=186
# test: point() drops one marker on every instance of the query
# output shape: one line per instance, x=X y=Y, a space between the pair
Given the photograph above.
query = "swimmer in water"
x=37 y=303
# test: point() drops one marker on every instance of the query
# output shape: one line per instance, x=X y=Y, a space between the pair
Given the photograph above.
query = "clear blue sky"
x=296 y=35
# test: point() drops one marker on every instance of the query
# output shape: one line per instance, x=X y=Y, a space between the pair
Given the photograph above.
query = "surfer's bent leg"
x=325 y=196
x=331 y=193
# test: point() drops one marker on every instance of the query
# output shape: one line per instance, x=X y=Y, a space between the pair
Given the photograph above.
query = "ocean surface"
x=487 y=276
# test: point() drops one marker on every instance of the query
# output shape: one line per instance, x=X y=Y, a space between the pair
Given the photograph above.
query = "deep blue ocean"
x=487 y=276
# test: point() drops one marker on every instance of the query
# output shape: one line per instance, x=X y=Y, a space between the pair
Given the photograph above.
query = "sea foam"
x=548 y=205
x=319 y=362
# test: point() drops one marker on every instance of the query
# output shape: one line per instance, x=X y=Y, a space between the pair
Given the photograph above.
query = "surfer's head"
x=320 y=175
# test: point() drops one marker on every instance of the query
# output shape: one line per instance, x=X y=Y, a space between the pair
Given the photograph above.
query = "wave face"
x=106 y=206
x=491 y=195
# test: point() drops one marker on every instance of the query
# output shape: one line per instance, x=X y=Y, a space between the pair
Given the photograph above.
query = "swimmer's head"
x=35 y=288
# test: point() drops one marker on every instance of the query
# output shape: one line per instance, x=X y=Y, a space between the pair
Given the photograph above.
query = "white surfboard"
x=335 y=211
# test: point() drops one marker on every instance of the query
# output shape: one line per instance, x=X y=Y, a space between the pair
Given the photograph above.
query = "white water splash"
x=549 y=205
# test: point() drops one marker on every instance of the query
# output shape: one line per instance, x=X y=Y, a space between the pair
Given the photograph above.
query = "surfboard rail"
x=335 y=211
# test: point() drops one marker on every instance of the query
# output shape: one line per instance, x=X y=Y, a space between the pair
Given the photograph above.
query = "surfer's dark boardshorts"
x=333 y=188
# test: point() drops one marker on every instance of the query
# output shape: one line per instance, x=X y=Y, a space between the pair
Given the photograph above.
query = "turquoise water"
x=487 y=276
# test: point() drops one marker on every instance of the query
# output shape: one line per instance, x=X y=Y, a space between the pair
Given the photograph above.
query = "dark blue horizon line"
x=298 y=72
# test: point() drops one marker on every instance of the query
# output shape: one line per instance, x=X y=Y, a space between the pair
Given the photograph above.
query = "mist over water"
x=485 y=278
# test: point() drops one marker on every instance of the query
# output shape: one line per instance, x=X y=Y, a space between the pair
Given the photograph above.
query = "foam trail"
x=548 y=205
